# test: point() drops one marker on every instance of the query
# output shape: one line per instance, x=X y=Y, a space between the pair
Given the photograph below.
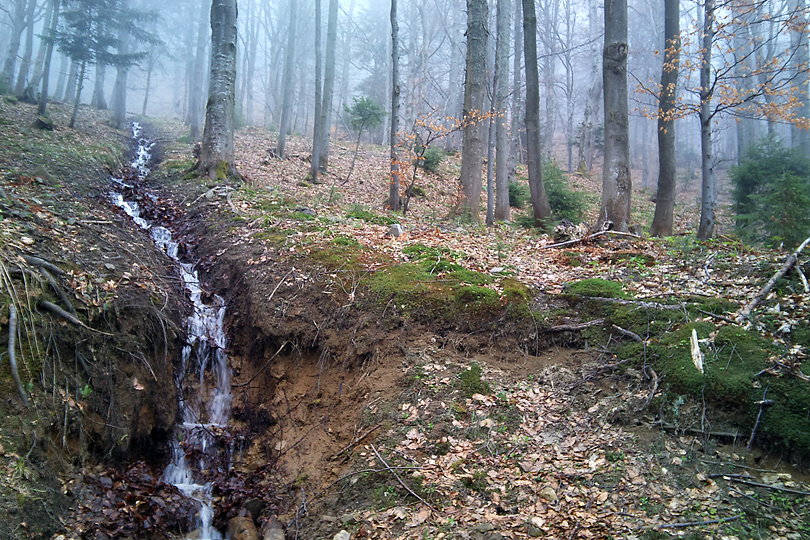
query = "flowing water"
x=203 y=376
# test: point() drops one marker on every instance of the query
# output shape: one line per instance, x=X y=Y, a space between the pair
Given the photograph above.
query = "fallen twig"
x=12 y=354
x=60 y=292
x=699 y=523
x=763 y=404
x=628 y=333
x=401 y=483
x=790 y=262
x=639 y=303
x=589 y=237
x=357 y=440
x=573 y=327
x=768 y=486
x=267 y=363
x=56 y=310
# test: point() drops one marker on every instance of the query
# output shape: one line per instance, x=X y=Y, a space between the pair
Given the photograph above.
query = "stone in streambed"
x=342 y=535
x=242 y=528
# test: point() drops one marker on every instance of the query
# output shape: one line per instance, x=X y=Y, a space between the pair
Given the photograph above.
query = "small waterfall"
x=204 y=401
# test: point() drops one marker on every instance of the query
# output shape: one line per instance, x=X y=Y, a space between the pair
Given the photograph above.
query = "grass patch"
x=370 y=217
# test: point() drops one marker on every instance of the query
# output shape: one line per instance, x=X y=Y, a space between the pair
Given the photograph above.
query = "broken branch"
x=699 y=523
x=56 y=310
x=401 y=483
x=12 y=355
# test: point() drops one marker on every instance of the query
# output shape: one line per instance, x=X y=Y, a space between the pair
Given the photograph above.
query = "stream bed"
x=203 y=374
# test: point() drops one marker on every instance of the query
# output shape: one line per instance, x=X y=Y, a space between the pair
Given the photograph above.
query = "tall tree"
x=46 y=70
x=393 y=191
x=217 y=152
x=472 y=148
x=502 y=23
x=616 y=182
x=195 y=101
x=534 y=155
x=18 y=24
x=287 y=81
x=708 y=190
x=314 y=166
x=328 y=85
x=665 y=197
x=25 y=63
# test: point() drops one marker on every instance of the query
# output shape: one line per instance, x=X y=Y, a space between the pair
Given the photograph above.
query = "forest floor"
x=458 y=381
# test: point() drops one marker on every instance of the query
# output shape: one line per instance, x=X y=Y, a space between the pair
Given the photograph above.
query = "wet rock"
x=484 y=527
x=396 y=230
x=348 y=519
x=342 y=535
x=306 y=210
x=242 y=528
x=254 y=507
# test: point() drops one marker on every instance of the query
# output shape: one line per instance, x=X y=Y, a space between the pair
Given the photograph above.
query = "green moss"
x=343 y=240
x=472 y=277
x=175 y=165
x=470 y=381
x=370 y=217
x=596 y=287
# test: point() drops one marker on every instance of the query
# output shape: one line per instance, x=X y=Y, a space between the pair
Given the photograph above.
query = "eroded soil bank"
x=408 y=400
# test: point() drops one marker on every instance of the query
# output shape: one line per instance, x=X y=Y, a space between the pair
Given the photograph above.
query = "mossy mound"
x=598 y=287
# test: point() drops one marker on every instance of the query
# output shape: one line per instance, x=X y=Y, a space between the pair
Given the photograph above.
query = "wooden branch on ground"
x=39 y=262
x=401 y=483
x=639 y=303
x=12 y=353
x=763 y=404
x=699 y=523
x=60 y=292
x=768 y=486
x=628 y=333
x=356 y=441
x=56 y=310
x=589 y=237
x=790 y=262
x=575 y=327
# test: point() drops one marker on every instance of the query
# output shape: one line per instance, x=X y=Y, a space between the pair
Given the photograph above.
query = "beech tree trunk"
x=393 y=191
x=17 y=28
x=800 y=138
x=78 y=97
x=516 y=142
x=708 y=191
x=42 y=104
x=70 y=87
x=120 y=89
x=316 y=129
x=328 y=84
x=616 y=182
x=472 y=147
x=503 y=23
x=98 y=101
x=287 y=84
x=25 y=63
x=590 y=120
x=217 y=152
x=36 y=77
x=541 y=210
x=665 y=197
x=195 y=105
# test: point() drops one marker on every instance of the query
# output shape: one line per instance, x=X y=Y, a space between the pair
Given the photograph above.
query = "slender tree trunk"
x=70 y=88
x=316 y=129
x=120 y=89
x=36 y=78
x=195 y=105
x=590 y=120
x=328 y=84
x=25 y=63
x=98 y=101
x=17 y=28
x=541 y=210
x=64 y=62
x=289 y=57
x=347 y=55
x=800 y=138
x=516 y=142
x=42 y=104
x=665 y=197
x=150 y=67
x=616 y=183
x=393 y=189
x=490 y=144
x=77 y=99
x=217 y=153
x=708 y=191
x=472 y=146
x=503 y=23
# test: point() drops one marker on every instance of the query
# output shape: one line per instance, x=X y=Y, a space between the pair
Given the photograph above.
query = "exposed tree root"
x=12 y=354
x=56 y=310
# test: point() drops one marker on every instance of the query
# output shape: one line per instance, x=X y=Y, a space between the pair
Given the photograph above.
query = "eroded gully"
x=203 y=374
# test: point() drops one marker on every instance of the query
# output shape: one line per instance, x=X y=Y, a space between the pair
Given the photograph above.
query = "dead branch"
x=575 y=327
x=12 y=354
x=768 y=486
x=639 y=303
x=356 y=441
x=267 y=363
x=628 y=333
x=699 y=523
x=56 y=310
x=39 y=262
x=763 y=404
x=589 y=237
x=790 y=262
x=401 y=483
x=60 y=291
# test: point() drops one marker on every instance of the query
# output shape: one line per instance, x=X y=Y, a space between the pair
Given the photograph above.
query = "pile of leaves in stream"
x=130 y=503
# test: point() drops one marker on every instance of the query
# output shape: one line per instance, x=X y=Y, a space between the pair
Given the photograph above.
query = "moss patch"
x=596 y=287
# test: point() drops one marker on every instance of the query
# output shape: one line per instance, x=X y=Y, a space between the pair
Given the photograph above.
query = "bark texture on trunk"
x=25 y=63
x=195 y=109
x=217 y=152
x=616 y=182
x=328 y=84
x=590 y=120
x=42 y=104
x=98 y=100
x=472 y=148
x=534 y=154
x=393 y=191
x=665 y=197
x=287 y=84
x=17 y=28
x=503 y=23
x=708 y=190
x=316 y=128
x=120 y=89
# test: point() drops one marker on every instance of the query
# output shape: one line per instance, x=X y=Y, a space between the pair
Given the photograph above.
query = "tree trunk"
x=503 y=23
x=25 y=63
x=217 y=152
x=42 y=105
x=516 y=141
x=472 y=147
x=541 y=210
x=316 y=129
x=708 y=191
x=195 y=101
x=800 y=138
x=148 y=88
x=393 y=191
x=62 y=78
x=36 y=78
x=70 y=88
x=328 y=84
x=289 y=57
x=77 y=99
x=665 y=197
x=347 y=56
x=17 y=28
x=120 y=89
x=616 y=183
x=590 y=120
x=98 y=101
